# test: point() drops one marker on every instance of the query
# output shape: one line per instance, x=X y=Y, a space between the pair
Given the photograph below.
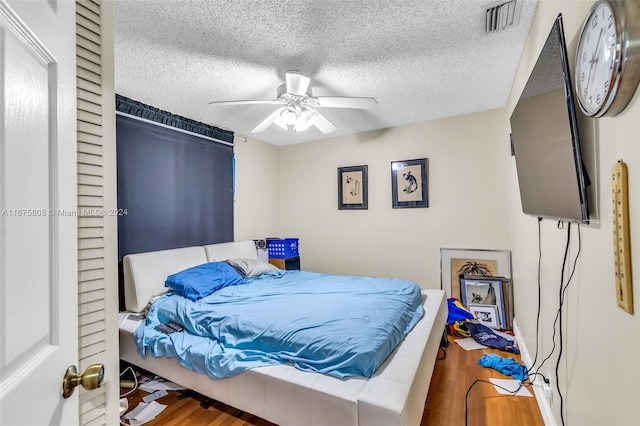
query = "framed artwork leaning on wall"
x=485 y=263
x=353 y=191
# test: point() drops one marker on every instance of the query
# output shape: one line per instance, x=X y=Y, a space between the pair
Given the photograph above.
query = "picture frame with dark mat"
x=353 y=191
x=409 y=183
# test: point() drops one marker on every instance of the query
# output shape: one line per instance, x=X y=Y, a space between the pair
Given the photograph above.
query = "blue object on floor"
x=508 y=366
x=486 y=336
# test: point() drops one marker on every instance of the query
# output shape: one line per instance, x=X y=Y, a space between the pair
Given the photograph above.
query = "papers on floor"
x=158 y=383
x=144 y=412
x=510 y=386
x=469 y=344
x=505 y=335
x=155 y=395
x=149 y=409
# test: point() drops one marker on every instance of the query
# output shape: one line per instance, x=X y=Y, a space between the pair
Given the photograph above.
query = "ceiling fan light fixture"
x=298 y=108
x=289 y=116
x=307 y=117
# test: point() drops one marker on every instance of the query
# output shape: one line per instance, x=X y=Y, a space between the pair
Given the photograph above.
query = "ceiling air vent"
x=499 y=16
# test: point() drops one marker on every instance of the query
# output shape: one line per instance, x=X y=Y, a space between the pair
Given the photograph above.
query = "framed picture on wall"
x=352 y=188
x=456 y=262
x=409 y=183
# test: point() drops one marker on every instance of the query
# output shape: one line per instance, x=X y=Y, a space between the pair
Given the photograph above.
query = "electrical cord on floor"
x=124 y=395
x=135 y=380
x=466 y=397
x=444 y=354
x=534 y=374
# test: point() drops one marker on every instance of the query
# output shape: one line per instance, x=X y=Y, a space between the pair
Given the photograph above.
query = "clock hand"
x=593 y=57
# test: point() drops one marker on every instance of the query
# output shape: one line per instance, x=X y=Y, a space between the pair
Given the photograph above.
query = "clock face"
x=596 y=61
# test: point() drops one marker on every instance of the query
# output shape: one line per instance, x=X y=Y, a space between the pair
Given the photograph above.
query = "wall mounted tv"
x=544 y=131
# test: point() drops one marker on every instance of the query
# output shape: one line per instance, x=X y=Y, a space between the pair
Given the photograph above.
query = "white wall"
x=599 y=371
x=257 y=197
x=467 y=198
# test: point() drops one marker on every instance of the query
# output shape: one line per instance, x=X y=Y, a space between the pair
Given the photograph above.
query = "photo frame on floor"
x=486 y=314
x=477 y=290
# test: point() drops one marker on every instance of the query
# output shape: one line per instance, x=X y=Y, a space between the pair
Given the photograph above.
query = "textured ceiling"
x=421 y=60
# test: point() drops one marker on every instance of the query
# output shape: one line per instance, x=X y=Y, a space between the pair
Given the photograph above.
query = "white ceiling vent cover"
x=500 y=16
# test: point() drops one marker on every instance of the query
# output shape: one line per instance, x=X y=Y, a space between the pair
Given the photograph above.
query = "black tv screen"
x=544 y=132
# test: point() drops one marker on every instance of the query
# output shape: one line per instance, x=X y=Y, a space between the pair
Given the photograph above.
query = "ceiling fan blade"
x=297 y=84
x=267 y=121
x=323 y=124
x=345 y=102
x=266 y=101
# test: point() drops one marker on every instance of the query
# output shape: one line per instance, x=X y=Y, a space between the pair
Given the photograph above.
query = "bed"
x=394 y=395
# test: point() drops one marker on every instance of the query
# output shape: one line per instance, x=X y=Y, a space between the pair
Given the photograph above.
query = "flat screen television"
x=551 y=175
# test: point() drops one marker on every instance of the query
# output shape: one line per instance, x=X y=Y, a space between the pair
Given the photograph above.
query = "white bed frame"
x=282 y=394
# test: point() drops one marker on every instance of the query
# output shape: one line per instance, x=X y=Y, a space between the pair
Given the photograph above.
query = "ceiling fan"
x=299 y=105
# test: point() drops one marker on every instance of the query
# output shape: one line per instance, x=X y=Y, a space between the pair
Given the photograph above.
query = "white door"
x=38 y=266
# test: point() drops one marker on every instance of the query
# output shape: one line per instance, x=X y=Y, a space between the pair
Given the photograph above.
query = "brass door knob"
x=90 y=379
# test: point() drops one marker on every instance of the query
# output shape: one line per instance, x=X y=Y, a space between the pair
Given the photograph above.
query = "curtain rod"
x=135 y=117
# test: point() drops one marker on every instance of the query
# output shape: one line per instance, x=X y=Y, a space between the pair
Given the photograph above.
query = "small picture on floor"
x=478 y=292
x=486 y=314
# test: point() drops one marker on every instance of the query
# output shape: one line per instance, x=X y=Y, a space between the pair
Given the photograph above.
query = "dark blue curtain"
x=138 y=109
x=174 y=189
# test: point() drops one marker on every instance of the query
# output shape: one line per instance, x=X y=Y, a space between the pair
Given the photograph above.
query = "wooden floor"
x=452 y=378
x=445 y=403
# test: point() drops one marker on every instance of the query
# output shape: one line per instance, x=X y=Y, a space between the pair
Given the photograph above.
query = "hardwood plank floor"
x=451 y=379
x=445 y=403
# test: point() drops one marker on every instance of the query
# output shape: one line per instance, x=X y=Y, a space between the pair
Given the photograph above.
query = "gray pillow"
x=252 y=267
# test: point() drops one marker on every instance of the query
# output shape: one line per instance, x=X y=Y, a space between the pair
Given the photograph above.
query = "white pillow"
x=252 y=267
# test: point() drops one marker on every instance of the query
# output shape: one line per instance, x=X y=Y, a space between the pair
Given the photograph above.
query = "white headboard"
x=145 y=273
x=235 y=250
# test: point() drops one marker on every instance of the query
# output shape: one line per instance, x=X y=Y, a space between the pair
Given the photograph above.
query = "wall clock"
x=607 y=67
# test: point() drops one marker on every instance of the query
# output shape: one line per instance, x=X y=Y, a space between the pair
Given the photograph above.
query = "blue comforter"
x=338 y=325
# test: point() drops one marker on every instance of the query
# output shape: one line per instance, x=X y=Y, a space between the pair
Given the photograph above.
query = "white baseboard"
x=543 y=403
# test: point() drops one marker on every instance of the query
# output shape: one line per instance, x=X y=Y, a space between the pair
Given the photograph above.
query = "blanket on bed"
x=339 y=325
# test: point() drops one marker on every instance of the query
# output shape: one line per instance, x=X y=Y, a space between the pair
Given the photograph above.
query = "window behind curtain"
x=175 y=189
